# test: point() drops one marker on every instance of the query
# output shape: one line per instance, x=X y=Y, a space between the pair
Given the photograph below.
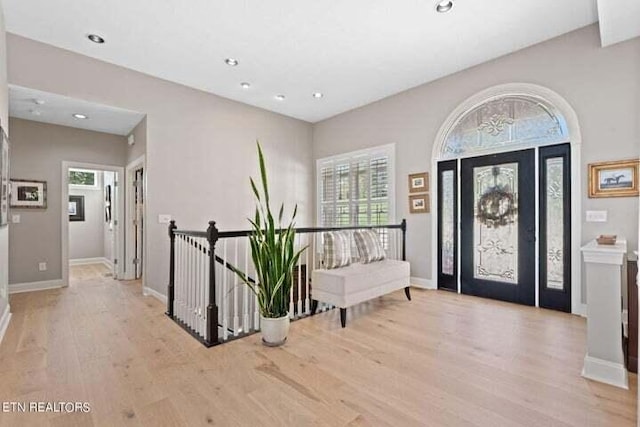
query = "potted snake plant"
x=274 y=257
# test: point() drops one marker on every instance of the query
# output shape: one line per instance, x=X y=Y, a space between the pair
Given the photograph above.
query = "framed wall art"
x=76 y=208
x=613 y=179
x=419 y=203
x=28 y=194
x=419 y=182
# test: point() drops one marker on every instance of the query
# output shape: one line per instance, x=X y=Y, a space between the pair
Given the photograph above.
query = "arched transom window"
x=505 y=123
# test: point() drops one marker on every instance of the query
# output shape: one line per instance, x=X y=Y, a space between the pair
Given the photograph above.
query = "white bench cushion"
x=359 y=282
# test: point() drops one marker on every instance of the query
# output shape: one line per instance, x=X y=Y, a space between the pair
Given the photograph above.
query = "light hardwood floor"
x=442 y=359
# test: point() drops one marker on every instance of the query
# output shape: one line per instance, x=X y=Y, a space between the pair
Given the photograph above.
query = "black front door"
x=497 y=226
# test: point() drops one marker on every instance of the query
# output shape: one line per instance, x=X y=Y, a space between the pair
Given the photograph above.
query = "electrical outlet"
x=42 y=266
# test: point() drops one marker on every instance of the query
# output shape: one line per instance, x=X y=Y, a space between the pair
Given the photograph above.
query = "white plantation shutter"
x=356 y=188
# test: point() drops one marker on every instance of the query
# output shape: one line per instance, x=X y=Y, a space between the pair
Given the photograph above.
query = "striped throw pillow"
x=369 y=247
x=337 y=249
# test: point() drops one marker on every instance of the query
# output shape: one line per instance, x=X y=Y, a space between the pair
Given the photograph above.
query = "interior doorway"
x=91 y=218
x=508 y=202
x=138 y=222
x=135 y=246
x=92 y=207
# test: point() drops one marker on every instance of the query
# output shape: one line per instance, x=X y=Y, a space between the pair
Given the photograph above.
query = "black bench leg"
x=314 y=306
x=407 y=292
x=343 y=317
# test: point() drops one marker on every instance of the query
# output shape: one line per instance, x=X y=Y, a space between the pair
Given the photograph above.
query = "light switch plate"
x=596 y=216
x=164 y=219
x=15 y=219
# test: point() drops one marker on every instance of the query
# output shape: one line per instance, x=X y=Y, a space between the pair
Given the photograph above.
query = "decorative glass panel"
x=447 y=222
x=510 y=120
x=495 y=190
x=555 y=223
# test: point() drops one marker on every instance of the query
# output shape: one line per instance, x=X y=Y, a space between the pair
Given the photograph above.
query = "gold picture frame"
x=419 y=203
x=419 y=182
x=613 y=179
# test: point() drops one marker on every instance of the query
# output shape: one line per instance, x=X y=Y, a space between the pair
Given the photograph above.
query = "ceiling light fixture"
x=80 y=116
x=95 y=38
x=280 y=97
x=318 y=95
x=38 y=101
x=444 y=6
x=35 y=112
x=245 y=85
x=231 y=62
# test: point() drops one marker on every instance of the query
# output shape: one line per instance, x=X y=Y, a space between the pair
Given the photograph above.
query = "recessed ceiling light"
x=245 y=85
x=95 y=38
x=38 y=101
x=232 y=62
x=35 y=112
x=280 y=97
x=444 y=6
x=80 y=116
x=318 y=95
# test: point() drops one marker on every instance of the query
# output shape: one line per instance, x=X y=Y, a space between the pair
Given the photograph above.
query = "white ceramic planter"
x=274 y=331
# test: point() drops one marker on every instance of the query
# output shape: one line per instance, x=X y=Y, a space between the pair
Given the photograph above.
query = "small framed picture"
x=613 y=179
x=419 y=182
x=28 y=194
x=419 y=203
x=76 y=208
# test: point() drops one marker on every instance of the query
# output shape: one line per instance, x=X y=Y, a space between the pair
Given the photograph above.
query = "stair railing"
x=207 y=299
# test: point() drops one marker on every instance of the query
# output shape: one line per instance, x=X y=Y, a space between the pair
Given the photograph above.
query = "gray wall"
x=87 y=238
x=140 y=145
x=200 y=147
x=602 y=85
x=4 y=119
x=38 y=150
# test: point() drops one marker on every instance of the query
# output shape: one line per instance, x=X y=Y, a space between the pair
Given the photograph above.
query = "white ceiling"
x=59 y=110
x=619 y=20
x=354 y=52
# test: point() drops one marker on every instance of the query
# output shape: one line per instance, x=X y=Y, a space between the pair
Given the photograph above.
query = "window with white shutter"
x=357 y=188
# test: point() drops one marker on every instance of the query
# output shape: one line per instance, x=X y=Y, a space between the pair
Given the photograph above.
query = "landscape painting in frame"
x=4 y=178
x=27 y=194
x=613 y=179
x=419 y=203
x=419 y=182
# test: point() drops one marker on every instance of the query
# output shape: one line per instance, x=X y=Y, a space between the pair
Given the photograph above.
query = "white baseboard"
x=606 y=372
x=86 y=261
x=4 y=321
x=148 y=292
x=16 y=288
x=421 y=283
x=581 y=310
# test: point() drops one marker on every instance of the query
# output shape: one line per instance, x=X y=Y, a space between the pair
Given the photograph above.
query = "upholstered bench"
x=358 y=282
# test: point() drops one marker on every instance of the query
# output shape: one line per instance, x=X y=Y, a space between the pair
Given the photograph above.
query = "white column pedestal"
x=605 y=276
